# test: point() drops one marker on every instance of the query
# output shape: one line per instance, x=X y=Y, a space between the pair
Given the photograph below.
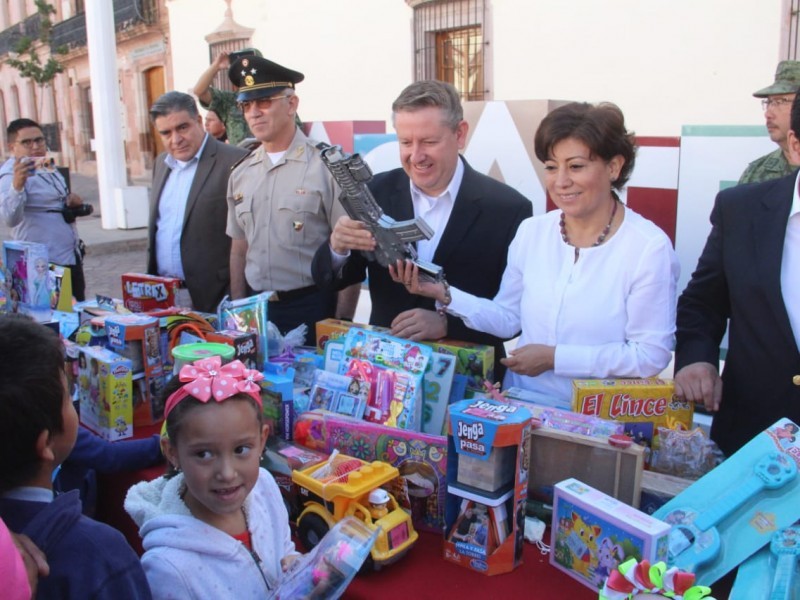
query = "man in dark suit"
x=188 y=206
x=474 y=219
x=749 y=276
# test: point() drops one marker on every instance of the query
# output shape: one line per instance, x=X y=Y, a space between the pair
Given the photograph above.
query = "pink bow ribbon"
x=208 y=378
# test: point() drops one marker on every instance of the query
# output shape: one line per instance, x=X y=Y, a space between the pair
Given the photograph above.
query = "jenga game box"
x=642 y=405
x=245 y=344
x=143 y=293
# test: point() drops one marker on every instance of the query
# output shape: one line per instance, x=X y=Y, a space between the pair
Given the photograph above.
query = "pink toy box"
x=421 y=458
x=592 y=533
x=106 y=405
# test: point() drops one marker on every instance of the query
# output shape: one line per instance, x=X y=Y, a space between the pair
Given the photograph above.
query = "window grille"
x=449 y=44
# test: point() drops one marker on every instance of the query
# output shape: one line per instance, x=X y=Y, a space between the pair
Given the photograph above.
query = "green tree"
x=27 y=60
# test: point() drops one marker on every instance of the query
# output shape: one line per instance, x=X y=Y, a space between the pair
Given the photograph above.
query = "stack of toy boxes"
x=643 y=405
x=487 y=485
x=474 y=361
x=143 y=293
x=105 y=392
x=138 y=338
x=27 y=278
x=592 y=533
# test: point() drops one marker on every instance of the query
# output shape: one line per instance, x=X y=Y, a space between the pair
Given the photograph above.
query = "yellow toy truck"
x=346 y=486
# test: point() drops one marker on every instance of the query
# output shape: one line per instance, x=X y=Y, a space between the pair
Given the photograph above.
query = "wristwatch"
x=441 y=307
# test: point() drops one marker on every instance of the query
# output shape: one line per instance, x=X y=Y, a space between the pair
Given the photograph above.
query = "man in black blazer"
x=474 y=218
x=748 y=276
x=188 y=205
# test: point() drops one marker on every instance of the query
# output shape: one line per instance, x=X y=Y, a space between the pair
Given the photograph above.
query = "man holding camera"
x=36 y=202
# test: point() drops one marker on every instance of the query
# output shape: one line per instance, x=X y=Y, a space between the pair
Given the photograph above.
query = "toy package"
x=28 y=278
x=420 y=458
x=437 y=387
x=487 y=485
x=247 y=315
x=731 y=512
x=343 y=486
x=683 y=453
x=592 y=533
x=142 y=292
x=60 y=288
x=771 y=573
x=642 y=404
x=105 y=392
x=341 y=394
x=138 y=338
x=393 y=370
x=474 y=361
x=326 y=571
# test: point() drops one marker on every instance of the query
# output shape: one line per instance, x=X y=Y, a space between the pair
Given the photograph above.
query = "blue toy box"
x=734 y=510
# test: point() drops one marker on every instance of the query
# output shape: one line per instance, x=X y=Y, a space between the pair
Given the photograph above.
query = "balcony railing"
x=71 y=33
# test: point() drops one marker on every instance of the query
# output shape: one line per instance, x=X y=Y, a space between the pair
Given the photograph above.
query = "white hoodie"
x=187 y=559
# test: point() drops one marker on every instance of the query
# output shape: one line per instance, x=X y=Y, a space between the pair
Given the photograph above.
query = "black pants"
x=78 y=281
x=308 y=309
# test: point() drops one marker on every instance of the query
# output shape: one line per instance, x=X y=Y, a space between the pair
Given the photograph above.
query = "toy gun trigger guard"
x=393 y=239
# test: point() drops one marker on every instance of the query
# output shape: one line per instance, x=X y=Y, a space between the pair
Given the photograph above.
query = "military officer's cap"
x=257 y=77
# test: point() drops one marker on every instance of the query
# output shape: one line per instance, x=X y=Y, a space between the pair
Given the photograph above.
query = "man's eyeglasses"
x=775 y=102
x=261 y=103
x=32 y=142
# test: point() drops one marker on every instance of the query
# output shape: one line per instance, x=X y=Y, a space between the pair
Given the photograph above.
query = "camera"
x=71 y=213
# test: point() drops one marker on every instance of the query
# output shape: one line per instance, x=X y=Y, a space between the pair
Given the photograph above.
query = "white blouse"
x=610 y=314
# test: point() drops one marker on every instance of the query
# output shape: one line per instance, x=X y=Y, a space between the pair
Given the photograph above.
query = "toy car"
x=331 y=491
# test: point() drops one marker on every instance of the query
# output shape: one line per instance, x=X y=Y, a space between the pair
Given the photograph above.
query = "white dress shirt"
x=610 y=314
x=790 y=265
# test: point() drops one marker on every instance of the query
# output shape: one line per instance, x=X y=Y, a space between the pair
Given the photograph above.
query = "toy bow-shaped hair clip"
x=208 y=378
x=633 y=578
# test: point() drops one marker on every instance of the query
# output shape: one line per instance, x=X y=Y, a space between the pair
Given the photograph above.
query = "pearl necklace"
x=603 y=235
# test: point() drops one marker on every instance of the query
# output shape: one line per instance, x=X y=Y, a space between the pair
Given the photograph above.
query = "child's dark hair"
x=178 y=414
x=31 y=395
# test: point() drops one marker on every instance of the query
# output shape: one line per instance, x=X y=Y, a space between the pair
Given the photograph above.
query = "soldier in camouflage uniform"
x=777 y=103
x=223 y=102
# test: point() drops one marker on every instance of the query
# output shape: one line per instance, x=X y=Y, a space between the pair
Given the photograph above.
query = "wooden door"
x=154 y=83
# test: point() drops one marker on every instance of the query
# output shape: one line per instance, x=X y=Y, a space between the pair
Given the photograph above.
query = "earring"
x=176 y=468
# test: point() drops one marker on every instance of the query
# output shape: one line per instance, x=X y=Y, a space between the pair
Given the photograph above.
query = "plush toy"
x=641 y=580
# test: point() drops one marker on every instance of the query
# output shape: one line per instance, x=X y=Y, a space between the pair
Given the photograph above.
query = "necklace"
x=602 y=238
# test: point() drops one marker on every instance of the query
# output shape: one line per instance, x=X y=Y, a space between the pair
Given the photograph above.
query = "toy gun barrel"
x=393 y=239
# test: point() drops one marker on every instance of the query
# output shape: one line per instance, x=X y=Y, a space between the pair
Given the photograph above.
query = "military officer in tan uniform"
x=282 y=201
x=777 y=102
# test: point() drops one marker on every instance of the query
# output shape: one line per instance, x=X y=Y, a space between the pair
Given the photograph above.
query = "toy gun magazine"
x=393 y=239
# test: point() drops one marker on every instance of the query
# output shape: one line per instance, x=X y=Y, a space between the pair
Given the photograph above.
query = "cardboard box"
x=474 y=361
x=557 y=455
x=484 y=523
x=592 y=533
x=420 y=458
x=642 y=404
x=138 y=338
x=142 y=292
x=658 y=489
x=105 y=396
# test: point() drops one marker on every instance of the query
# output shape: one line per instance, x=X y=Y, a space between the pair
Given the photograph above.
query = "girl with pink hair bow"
x=215 y=525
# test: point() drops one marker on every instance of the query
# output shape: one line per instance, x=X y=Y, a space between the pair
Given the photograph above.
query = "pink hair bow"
x=208 y=378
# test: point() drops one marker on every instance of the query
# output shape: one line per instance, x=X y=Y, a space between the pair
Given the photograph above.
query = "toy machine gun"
x=393 y=238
